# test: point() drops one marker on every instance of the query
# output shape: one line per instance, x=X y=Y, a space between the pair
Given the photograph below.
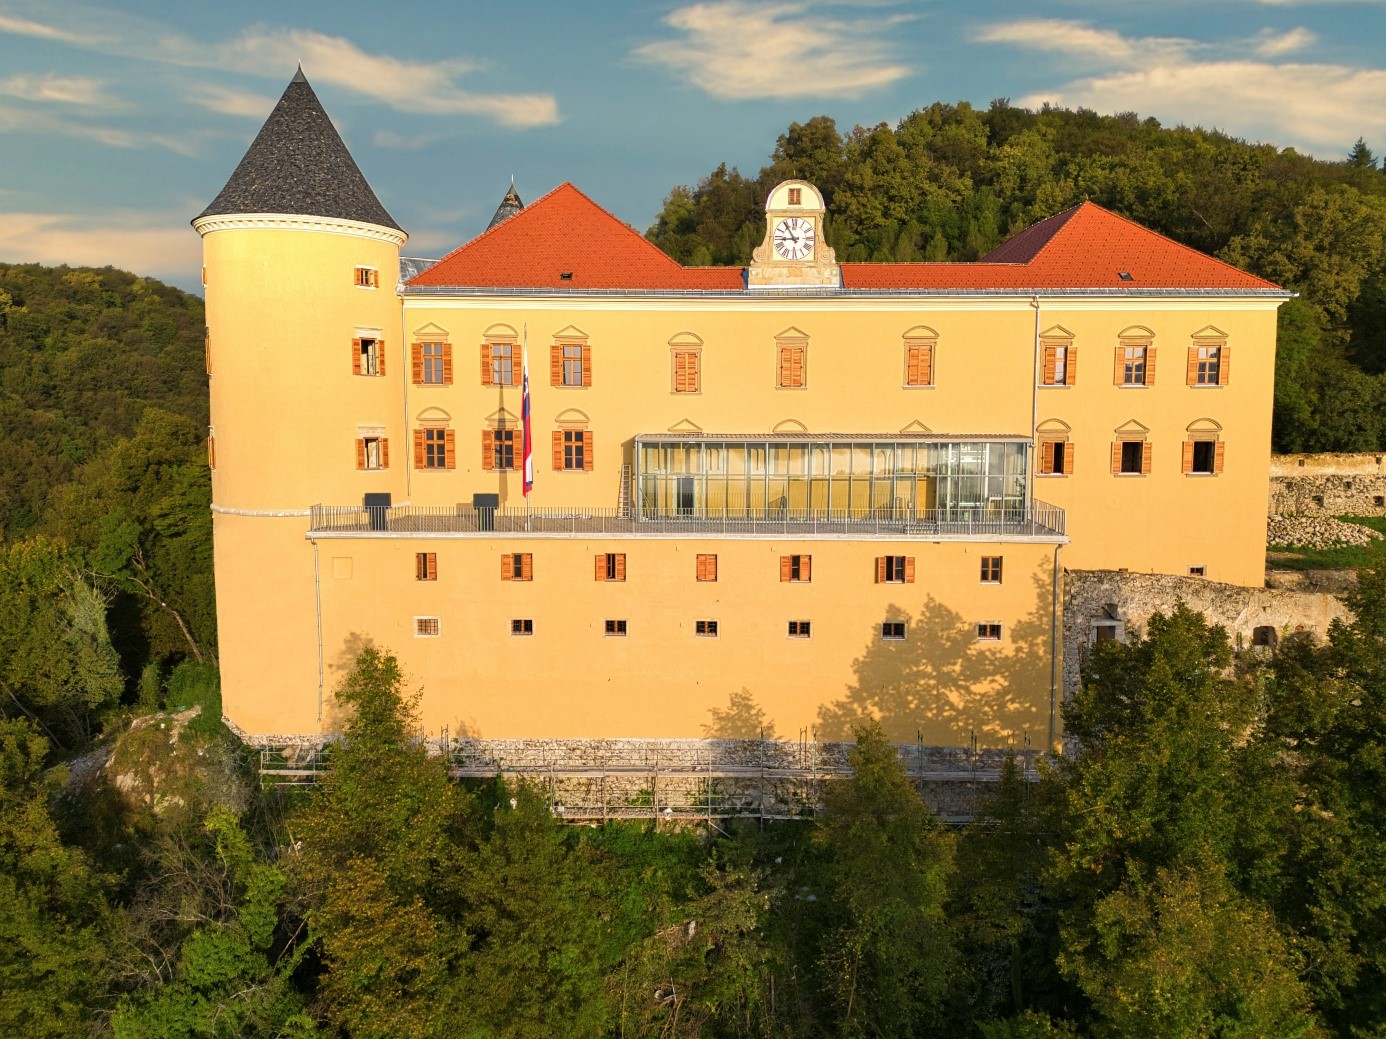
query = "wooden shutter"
x=380 y=357
x=1119 y=369
x=784 y=568
x=527 y=566
x=556 y=365
x=1071 y=367
x=791 y=367
x=880 y=569
x=1188 y=456
x=1150 y=366
x=620 y=566
x=507 y=567
x=1147 y=448
x=1224 y=364
x=416 y=362
x=707 y=568
x=587 y=450
x=425 y=566
x=1116 y=456
x=1046 y=456
x=356 y=357
x=909 y=569
x=1191 y=370
x=1068 y=458
x=449 y=449
x=360 y=453
x=488 y=449
x=920 y=365
x=418 y=449
x=447 y=365
x=586 y=365
x=805 y=568
x=1051 y=364
x=601 y=566
x=486 y=364
x=558 y=450
x=1217 y=456
x=211 y=451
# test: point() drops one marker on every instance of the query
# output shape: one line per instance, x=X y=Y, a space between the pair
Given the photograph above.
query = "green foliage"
x=54 y=919
x=950 y=182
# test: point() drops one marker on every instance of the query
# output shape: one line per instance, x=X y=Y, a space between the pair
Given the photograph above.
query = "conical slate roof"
x=299 y=165
x=510 y=205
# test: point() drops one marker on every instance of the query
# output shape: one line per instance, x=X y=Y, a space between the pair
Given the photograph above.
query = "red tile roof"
x=1085 y=247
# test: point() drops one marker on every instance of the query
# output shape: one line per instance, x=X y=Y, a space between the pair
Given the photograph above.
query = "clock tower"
x=793 y=253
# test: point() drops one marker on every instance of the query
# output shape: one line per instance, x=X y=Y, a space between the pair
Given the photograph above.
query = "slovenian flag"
x=528 y=443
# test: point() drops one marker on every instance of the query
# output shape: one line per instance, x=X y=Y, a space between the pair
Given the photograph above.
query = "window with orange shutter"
x=434 y=448
x=687 y=377
x=919 y=362
x=790 y=370
x=425 y=566
x=707 y=567
x=432 y=364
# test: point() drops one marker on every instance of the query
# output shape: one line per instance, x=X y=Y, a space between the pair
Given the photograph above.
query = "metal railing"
x=1041 y=521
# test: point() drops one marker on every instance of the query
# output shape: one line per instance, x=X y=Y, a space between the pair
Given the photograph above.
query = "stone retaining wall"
x=1328 y=484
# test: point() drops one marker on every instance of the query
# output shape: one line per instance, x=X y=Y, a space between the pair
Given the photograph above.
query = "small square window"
x=1198 y=571
x=425 y=566
x=1264 y=635
x=522 y=626
x=616 y=627
x=893 y=631
x=991 y=569
x=367 y=277
x=707 y=629
x=517 y=566
x=796 y=568
x=427 y=627
x=1379 y=500
x=611 y=566
x=893 y=569
x=799 y=629
x=988 y=631
x=796 y=196
x=1106 y=632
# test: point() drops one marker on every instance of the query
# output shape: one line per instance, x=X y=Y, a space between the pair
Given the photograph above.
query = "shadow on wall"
x=743 y=719
x=944 y=686
x=335 y=714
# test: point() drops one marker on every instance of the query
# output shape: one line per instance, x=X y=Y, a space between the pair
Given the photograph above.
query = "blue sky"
x=119 y=122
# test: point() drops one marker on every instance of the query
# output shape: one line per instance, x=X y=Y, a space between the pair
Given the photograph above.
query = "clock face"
x=793 y=238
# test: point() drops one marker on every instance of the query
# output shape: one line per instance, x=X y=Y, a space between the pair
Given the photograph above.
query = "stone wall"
x=1328 y=484
x=1121 y=604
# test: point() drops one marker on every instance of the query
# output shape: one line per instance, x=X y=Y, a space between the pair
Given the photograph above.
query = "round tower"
x=307 y=371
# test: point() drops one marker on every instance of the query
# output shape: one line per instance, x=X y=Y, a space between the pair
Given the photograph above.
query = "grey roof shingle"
x=298 y=164
x=510 y=205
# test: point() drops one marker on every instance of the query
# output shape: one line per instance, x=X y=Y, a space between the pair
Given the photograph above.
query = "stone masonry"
x=1328 y=485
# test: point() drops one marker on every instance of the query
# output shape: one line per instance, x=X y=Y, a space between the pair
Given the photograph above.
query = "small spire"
x=299 y=77
x=510 y=205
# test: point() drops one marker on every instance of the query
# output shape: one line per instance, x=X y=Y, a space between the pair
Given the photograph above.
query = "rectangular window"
x=427 y=627
x=799 y=629
x=503 y=364
x=616 y=627
x=1056 y=458
x=706 y=629
x=991 y=569
x=367 y=356
x=1131 y=457
x=893 y=631
x=498 y=449
x=522 y=626
x=517 y=566
x=1060 y=365
x=919 y=362
x=572 y=365
x=372 y=453
x=795 y=196
x=789 y=372
x=988 y=631
x=367 y=277
x=796 y=568
x=434 y=448
x=1135 y=363
x=611 y=566
x=572 y=450
x=895 y=569
x=707 y=567
x=1198 y=571
x=425 y=566
x=1203 y=457
x=687 y=373
x=432 y=364
x=1209 y=364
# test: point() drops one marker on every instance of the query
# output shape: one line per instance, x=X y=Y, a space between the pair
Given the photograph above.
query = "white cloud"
x=1273 y=45
x=405 y=142
x=229 y=101
x=73 y=90
x=735 y=49
x=26 y=120
x=1319 y=108
x=406 y=85
x=141 y=242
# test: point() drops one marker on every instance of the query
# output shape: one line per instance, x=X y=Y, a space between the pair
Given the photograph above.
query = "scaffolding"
x=707 y=781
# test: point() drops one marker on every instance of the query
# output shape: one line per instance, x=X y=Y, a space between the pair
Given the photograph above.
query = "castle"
x=837 y=490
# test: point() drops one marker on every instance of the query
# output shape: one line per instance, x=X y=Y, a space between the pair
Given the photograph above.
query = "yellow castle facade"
x=838 y=491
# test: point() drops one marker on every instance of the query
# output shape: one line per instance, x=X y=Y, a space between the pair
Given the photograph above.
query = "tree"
x=888 y=959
